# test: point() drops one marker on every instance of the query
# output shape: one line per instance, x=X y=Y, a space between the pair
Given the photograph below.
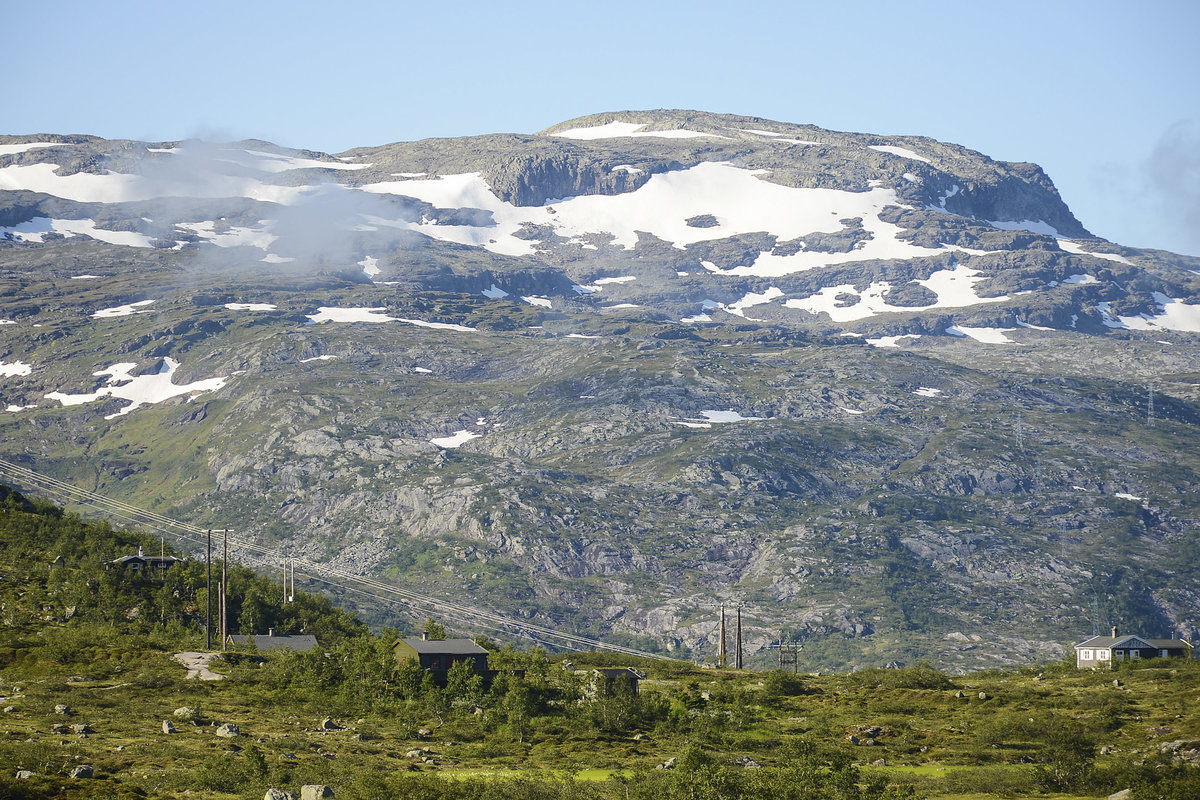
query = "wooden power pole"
x=738 y=658
x=224 y=590
x=208 y=597
x=721 y=657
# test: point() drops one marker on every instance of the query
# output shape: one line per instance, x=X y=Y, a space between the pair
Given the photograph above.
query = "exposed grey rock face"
x=83 y=771
x=228 y=730
x=315 y=792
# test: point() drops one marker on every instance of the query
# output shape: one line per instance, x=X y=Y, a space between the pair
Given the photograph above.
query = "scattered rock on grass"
x=279 y=794
x=229 y=730
x=315 y=791
x=83 y=771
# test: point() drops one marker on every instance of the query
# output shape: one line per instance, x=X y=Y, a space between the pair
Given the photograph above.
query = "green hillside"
x=100 y=641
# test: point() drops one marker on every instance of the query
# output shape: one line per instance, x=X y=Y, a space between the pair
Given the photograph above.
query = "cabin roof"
x=453 y=647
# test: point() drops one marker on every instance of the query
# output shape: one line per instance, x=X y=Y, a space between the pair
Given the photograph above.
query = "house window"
x=1162 y=653
x=1086 y=655
x=1135 y=653
x=1102 y=655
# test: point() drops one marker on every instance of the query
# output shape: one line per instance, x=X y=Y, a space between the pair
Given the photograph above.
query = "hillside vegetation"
x=99 y=642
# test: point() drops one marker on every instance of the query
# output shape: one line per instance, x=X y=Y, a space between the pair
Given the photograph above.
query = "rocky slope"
x=886 y=393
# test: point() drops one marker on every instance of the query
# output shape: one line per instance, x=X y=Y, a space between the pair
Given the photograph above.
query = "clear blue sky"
x=1104 y=95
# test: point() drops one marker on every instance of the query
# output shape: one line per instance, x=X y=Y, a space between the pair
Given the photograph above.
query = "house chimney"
x=270 y=632
x=424 y=636
x=139 y=551
x=1114 y=631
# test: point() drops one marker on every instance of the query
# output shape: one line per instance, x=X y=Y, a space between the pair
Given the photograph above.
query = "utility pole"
x=208 y=597
x=208 y=594
x=738 y=659
x=721 y=657
x=224 y=589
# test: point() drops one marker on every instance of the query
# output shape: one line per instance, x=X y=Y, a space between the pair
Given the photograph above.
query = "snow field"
x=139 y=390
x=34 y=230
x=123 y=311
x=251 y=306
x=614 y=130
x=15 y=369
x=740 y=200
x=455 y=440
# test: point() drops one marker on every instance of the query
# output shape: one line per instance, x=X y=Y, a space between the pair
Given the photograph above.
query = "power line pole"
x=208 y=597
x=738 y=659
x=224 y=589
x=721 y=657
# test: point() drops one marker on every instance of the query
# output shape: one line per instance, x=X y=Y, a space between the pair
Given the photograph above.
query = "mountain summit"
x=884 y=392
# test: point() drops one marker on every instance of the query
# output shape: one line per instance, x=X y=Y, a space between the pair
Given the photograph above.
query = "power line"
x=323 y=572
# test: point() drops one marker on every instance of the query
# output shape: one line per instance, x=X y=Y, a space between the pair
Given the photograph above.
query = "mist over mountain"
x=887 y=394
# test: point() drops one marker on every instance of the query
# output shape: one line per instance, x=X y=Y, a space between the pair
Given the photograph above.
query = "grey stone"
x=1121 y=795
x=168 y=726
x=185 y=713
x=63 y=709
x=83 y=771
x=315 y=791
x=229 y=730
x=279 y=794
x=82 y=727
x=24 y=774
x=328 y=724
x=983 y=695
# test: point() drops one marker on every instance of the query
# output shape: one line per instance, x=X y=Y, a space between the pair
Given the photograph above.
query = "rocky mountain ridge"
x=884 y=392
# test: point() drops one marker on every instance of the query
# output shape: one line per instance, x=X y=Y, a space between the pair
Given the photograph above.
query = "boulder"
x=83 y=771
x=168 y=726
x=1121 y=795
x=24 y=774
x=423 y=732
x=279 y=794
x=328 y=724
x=315 y=791
x=63 y=709
x=983 y=695
x=229 y=730
x=185 y=713
x=83 y=728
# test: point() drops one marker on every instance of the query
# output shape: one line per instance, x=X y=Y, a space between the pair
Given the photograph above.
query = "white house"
x=1103 y=651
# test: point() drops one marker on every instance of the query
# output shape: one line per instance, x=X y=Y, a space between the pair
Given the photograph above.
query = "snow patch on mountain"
x=892 y=341
x=335 y=314
x=740 y=199
x=1176 y=316
x=15 y=369
x=139 y=390
x=903 y=152
x=116 y=187
x=35 y=230
x=982 y=334
x=614 y=130
x=251 y=306
x=1077 y=249
x=455 y=440
x=955 y=288
x=13 y=149
x=1031 y=225
x=123 y=311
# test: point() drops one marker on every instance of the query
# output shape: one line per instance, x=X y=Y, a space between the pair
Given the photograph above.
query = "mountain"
x=885 y=393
